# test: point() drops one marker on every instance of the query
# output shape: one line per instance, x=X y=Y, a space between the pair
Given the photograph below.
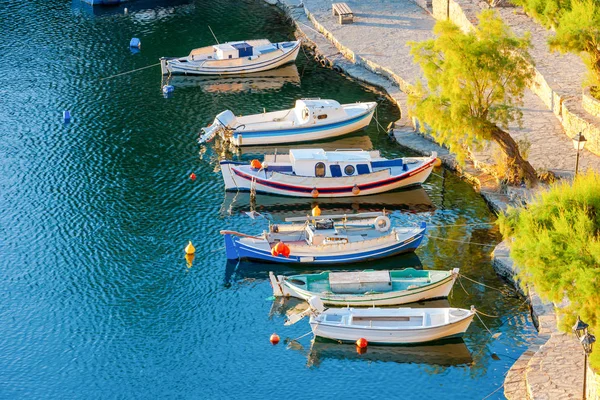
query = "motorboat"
x=240 y=57
x=332 y=239
x=385 y=326
x=368 y=288
x=309 y=120
x=318 y=173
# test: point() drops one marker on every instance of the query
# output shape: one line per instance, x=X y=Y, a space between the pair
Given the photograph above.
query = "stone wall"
x=590 y=104
x=463 y=12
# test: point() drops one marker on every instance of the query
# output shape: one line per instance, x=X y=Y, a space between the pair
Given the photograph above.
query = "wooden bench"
x=346 y=16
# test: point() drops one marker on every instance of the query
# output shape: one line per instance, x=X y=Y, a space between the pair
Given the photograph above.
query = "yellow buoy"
x=437 y=162
x=316 y=211
x=190 y=249
x=189 y=259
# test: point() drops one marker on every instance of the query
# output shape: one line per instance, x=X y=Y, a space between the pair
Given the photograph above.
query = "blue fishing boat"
x=332 y=239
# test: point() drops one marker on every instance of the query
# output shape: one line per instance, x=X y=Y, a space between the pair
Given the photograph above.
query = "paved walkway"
x=379 y=36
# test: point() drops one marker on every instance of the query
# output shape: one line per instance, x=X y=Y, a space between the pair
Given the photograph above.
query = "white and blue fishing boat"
x=332 y=239
x=232 y=58
x=318 y=173
x=309 y=120
x=367 y=288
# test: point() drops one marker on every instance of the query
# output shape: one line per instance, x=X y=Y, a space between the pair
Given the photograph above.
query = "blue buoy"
x=168 y=89
x=135 y=42
x=66 y=115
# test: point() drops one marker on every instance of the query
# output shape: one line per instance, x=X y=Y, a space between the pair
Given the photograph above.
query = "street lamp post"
x=578 y=144
x=587 y=341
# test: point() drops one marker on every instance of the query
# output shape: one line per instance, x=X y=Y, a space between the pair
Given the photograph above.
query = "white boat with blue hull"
x=232 y=58
x=318 y=173
x=309 y=120
x=333 y=239
x=387 y=326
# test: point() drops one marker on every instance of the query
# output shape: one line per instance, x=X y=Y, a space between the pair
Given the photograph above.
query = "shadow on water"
x=236 y=271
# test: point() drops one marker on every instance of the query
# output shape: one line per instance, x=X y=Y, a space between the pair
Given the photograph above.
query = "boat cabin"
x=318 y=111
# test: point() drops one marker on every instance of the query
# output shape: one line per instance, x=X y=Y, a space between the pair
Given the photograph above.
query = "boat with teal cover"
x=367 y=288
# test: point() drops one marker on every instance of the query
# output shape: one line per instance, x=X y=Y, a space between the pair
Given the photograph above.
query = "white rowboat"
x=387 y=325
x=366 y=288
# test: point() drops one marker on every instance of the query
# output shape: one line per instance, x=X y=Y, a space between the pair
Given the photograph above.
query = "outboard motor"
x=223 y=121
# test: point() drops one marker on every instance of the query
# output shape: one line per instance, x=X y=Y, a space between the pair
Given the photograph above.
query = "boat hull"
x=237 y=249
x=390 y=336
x=439 y=289
x=304 y=134
x=299 y=186
x=171 y=66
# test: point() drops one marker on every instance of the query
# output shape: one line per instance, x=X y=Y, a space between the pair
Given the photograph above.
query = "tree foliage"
x=578 y=31
x=547 y=12
x=556 y=244
x=475 y=83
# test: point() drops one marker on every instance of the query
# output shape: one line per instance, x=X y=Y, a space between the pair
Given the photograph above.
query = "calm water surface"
x=96 y=298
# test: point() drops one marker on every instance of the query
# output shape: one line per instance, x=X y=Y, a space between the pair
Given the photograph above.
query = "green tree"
x=578 y=31
x=475 y=83
x=556 y=244
x=547 y=12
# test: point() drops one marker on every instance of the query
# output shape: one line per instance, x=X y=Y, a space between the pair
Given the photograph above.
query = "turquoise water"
x=96 y=298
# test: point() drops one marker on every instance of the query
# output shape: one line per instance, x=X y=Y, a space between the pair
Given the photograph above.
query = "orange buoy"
x=355 y=190
x=255 y=164
x=193 y=176
x=316 y=211
x=362 y=343
x=314 y=193
x=437 y=162
x=360 y=350
x=274 y=339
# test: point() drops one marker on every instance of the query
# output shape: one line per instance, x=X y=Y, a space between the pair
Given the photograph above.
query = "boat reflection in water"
x=277 y=208
x=236 y=271
x=256 y=81
x=450 y=352
x=138 y=11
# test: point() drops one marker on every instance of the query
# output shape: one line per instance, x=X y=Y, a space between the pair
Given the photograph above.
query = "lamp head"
x=587 y=341
x=579 y=141
x=579 y=328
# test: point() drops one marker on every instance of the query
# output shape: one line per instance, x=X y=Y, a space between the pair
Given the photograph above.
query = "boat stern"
x=164 y=66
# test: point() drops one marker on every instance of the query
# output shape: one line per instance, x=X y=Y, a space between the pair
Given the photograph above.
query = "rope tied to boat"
x=494 y=335
x=460 y=241
x=503 y=291
x=129 y=72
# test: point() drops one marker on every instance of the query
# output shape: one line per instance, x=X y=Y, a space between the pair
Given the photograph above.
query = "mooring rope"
x=300 y=337
x=129 y=72
x=475 y=224
x=460 y=241
x=483 y=284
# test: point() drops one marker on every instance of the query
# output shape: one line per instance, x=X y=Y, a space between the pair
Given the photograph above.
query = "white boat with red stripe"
x=318 y=173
